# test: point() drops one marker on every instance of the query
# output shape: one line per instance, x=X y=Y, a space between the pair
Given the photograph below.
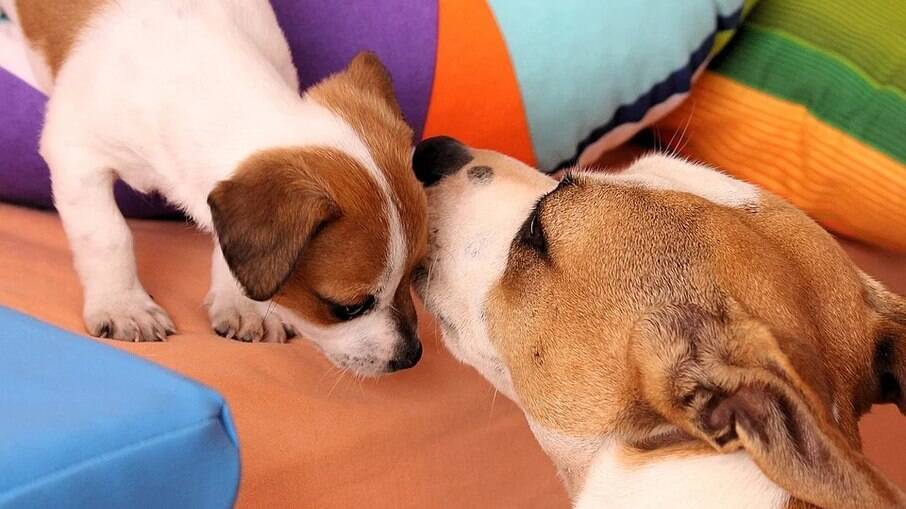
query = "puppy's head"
x=662 y=321
x=329 y=238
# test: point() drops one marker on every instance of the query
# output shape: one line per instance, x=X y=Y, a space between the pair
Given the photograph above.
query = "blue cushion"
x=85 y=425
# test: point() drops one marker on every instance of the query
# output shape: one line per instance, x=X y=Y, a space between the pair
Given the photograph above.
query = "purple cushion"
x=323 y=38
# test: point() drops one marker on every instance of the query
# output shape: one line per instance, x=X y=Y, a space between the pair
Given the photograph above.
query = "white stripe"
x=350 y=143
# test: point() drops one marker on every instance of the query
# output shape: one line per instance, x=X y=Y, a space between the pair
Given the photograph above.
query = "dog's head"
x=611 y=309
x=329 y=236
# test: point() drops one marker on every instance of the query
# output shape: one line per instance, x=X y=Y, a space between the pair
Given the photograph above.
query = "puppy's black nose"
x=407 y=357
x=437 y=157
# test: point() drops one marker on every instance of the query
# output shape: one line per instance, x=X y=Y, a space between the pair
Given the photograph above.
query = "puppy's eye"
x=346 y=312
x=532 y=233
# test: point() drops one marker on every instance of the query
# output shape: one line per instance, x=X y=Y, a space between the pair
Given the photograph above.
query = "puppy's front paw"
x=130 y=317
x=239 y=318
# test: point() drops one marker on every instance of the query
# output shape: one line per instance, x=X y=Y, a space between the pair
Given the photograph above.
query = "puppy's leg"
x=235 y=316
x=116 y=305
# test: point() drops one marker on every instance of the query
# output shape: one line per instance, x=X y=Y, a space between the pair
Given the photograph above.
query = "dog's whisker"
x=669 y=146
x=493 y=400
x=431 y=267
x=686 y=141
x=675 y=149
x=337 y=382
x=331 y=370
x=360 y=383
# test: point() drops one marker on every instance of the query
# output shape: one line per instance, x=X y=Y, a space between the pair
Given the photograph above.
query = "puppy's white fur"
x=704 y=482
x=474 y=228
x=170 y=96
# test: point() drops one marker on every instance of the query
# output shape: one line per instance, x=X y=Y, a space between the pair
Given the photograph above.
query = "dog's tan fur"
x=736 y=326
x=53 y=27
x=675 y=326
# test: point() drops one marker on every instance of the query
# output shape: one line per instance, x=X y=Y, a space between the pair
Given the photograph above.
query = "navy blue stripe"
x=680 y=81
x=730 y=21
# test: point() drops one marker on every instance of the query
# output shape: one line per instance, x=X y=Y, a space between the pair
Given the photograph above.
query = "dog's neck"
x=615 y=481
x=597 y=472
x=572 y=456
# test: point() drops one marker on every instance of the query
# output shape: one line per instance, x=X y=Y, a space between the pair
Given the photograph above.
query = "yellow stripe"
x=841 y=182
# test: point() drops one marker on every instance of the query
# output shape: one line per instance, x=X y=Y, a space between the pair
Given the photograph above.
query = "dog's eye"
x=532 y=233
x=346 y=312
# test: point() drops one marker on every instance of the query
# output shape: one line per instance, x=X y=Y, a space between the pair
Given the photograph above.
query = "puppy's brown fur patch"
x=53 y=26
x=306 y=223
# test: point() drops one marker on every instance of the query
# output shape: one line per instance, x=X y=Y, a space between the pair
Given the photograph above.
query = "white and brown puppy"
x=675 y=337
x=319 y=218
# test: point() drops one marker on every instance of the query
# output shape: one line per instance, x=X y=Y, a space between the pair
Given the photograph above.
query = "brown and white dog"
x=675 y=337
x=319 y=218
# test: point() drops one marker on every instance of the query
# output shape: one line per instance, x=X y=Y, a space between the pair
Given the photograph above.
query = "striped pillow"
x=809 y=100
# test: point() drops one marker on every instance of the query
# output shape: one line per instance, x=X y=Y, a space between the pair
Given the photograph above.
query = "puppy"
x=675 y=337
x=318 y=216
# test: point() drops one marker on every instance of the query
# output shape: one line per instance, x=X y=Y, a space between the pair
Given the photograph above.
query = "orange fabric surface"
x=842 y=183
x=475 y=97
x=433 y=436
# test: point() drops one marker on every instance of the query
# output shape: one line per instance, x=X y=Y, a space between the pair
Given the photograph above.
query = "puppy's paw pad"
x=243 y=322
x=131 y=318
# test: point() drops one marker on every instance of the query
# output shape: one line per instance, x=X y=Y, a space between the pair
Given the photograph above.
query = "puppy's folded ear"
x=368 y=74
x=265 y=215
x=722 y=377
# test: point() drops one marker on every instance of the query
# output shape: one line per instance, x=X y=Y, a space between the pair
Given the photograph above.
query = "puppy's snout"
x=435 y=158
x=407 y=356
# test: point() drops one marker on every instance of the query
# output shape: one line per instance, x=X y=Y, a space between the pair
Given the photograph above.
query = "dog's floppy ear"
x=369 y=75
x=721 y=377
x=263 y=217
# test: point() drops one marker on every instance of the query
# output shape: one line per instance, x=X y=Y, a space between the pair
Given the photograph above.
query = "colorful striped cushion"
x=550 y=82
x=809 y=100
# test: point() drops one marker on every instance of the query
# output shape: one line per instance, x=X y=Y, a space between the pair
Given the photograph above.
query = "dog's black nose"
x=437 y=157
x=408 y=355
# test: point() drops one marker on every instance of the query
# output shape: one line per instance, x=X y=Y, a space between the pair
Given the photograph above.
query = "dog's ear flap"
x=368 y=74
x=263 y=218
x=722 y=377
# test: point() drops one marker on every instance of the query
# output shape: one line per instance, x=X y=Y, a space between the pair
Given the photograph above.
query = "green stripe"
x=830 y=89
x=870 y=33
